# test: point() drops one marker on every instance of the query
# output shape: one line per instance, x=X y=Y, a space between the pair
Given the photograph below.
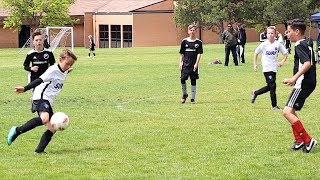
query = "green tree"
x=36 y=13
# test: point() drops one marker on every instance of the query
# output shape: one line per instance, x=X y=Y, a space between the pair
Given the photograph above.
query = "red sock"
x=298 y=127
x=296 y=135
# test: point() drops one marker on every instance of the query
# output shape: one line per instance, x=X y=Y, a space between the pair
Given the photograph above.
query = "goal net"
x=58 y=37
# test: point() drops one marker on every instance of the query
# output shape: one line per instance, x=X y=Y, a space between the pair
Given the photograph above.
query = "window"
x=104 y=36
x=127 y=35
x=115 y=36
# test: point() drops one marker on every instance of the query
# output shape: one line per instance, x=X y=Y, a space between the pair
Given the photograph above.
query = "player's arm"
x=31 y=85
x=52 y=59
x=26 y=64
x=291 y=81
x=255 y=66
x=284 y=51
x=181 y=61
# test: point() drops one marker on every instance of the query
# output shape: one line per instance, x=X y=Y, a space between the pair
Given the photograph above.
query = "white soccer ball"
x=59 y=121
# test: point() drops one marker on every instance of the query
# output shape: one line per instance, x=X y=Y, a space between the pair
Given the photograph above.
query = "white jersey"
x=52 y=84
x=269 y=53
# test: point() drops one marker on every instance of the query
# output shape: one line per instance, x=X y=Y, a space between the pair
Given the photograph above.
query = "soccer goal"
x=58 y=37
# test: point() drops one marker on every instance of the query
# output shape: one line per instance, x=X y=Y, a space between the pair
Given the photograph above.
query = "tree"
x=37 y=13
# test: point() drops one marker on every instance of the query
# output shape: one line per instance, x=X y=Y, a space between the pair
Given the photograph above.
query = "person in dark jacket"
x=242 y=39
x=229 y=37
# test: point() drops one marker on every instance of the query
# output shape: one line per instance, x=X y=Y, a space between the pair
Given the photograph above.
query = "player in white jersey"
x=47 y=87
x=269 y=50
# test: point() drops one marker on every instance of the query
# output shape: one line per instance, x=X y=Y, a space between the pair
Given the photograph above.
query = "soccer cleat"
x=183 y=99
x=253 y=97
x=192 y=101
x=40 y=153
x=296 y=146
x=12 y=135
x=308 y=147
x=276 y=108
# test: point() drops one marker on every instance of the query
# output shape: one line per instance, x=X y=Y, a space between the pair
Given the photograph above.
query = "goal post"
x=58 y=37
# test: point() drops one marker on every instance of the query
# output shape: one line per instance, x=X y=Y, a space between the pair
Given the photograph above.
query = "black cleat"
x=308 y=147
x=297 y=146
x=183 y=99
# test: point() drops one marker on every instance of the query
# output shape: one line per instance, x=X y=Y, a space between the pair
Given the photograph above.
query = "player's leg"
x=271 y=81
x=256 y=93
x=184 y=88
x=296 y=102
x=47 y=135
x=29 y=125
x=193 y=90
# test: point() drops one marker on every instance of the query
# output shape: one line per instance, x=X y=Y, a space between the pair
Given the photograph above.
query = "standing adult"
x=229 y=37
x=242 y=39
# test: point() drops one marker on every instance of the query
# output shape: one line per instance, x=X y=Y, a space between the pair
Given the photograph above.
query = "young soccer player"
x=39 y=57
x=91 y=46
x=190 y=54
x=303 y=82
x=47 y=87
x=269 y=50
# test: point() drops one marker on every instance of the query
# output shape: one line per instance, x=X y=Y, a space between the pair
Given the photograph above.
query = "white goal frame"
x=57 y=39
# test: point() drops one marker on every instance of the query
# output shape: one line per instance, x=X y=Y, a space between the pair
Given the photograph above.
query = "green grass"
x=127 y=123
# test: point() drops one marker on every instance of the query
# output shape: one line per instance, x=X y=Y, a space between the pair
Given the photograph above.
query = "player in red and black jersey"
x=304 y=82
x=40 y=58
x=190 y=54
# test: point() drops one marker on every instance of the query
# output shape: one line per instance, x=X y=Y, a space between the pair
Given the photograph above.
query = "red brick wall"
x=8 y=38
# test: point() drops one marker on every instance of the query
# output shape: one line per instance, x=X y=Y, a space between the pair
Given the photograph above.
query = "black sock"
x=89 y=54
x=44 y=141
x=94 y=54
x=32 y=123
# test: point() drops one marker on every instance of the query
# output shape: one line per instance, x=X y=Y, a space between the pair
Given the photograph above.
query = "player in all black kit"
x=190 y=54
x=39 y=57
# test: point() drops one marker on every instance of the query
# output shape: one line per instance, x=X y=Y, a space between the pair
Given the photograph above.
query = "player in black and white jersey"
x=47 y=87
x=40 y=58
x=303 y=82
x=190 y=54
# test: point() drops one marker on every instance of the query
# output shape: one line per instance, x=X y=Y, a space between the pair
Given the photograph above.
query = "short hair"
x=298 y=24
x=36 y=33
x=68 y=52
x=272 y=27
x=192 y=26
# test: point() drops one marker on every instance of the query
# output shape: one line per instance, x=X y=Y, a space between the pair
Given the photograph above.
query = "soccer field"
x=127 y=122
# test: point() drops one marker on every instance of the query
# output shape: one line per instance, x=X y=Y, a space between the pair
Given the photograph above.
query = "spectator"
x=229 y=37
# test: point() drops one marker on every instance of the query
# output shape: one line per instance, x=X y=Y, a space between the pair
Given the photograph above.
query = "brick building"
x=122 y=23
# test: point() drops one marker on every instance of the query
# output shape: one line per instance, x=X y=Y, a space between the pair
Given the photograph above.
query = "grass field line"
x=122 y=106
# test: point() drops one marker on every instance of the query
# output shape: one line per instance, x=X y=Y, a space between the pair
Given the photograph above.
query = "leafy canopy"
x=38 y=13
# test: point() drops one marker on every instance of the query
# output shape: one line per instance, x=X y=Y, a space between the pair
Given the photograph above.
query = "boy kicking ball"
x=47 y=87
x=303 y=82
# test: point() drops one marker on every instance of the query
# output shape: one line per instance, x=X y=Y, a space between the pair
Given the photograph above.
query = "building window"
x=104 y=36
x=115 y=36
x=127 y=35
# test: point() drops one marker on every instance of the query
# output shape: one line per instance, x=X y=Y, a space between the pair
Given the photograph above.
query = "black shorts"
x=298 y=97
x=185 y=73
x=42 y=105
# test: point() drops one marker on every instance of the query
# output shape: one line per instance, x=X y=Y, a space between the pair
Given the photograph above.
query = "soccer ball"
x=59 y=121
